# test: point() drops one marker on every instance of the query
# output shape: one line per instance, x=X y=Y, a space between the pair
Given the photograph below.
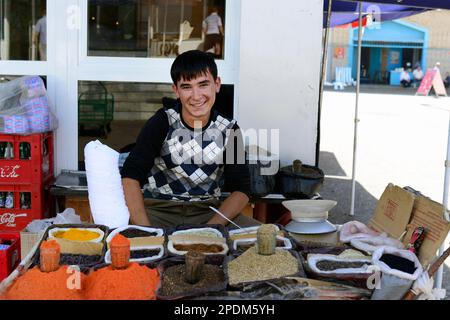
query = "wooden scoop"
x=410 y=295
x=194 y=262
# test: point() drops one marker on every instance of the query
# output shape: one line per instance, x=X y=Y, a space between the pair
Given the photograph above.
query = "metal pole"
x=355 y=134
x=322 y=78
x=440 y=272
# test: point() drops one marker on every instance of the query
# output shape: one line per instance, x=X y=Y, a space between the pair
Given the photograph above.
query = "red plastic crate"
x=16 y=219
x=37 y=169
x=9 y=258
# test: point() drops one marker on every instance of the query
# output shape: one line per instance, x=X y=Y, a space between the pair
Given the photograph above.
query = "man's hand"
x=135 y=202
x=231 y=207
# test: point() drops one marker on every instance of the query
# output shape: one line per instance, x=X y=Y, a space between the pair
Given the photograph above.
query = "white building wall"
x=279 y=66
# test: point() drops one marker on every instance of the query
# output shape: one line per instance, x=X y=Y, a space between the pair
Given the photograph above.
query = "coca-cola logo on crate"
x=9 y=219
x=9 y=171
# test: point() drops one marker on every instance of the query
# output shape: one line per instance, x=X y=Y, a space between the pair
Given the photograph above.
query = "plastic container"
x=10 y=257
x=30 y=158
x=194 y=292
x=85 y=262
x=38 y=205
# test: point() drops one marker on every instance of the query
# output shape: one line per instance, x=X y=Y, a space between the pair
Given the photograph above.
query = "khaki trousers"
x=166 y=213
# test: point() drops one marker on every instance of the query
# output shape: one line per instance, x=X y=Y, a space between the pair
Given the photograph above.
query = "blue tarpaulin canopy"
x=345 y=12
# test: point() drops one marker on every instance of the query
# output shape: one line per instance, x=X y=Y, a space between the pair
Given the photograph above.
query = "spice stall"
x=309 y=258
x=354 y=262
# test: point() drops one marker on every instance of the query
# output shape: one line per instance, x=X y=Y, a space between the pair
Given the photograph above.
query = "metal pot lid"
x=310 y=227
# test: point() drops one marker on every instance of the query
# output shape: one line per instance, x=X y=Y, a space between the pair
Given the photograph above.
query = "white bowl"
x=99 y=239
x=304 y=210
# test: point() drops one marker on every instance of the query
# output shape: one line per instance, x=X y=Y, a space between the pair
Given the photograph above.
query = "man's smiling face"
x=197 y=97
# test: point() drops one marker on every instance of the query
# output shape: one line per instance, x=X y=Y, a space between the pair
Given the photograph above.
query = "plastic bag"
x=68 y=216
x=395 y=283
x=24 y=107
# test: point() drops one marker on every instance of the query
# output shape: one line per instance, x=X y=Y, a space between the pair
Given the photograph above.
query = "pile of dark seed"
x=173 y=283
x=398 y=263
x=329 y=265
x=136 y=233
x=146 y=253
x=77 y=259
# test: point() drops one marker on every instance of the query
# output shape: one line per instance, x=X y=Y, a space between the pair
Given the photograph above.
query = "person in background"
x=213 y=31
x=418 y=75
x=447 y=80
x=40 y=36
x=437 y=66
x=182 y=153
x=405 y=79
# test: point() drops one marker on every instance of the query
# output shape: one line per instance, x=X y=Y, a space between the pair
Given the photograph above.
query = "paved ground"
x=402 y=139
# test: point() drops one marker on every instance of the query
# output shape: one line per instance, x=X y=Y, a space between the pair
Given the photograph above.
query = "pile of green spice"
x=251 y=266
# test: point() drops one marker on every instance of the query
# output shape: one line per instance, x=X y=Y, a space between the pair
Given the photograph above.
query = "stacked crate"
x=26 y=173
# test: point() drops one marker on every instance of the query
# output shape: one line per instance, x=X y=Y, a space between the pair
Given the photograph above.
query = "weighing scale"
x=310 y=216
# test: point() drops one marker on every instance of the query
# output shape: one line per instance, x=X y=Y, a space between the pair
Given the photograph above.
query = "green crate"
x=96 y=109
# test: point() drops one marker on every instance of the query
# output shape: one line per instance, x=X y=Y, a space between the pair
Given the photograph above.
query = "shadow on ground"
x=338 y=186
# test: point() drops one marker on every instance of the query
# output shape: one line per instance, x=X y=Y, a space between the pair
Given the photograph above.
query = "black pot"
x=300 y=185
x=261 y=185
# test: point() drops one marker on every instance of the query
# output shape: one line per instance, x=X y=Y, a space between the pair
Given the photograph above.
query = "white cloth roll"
x=106 y=197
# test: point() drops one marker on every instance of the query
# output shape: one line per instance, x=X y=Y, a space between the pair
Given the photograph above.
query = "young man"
x=179 y=152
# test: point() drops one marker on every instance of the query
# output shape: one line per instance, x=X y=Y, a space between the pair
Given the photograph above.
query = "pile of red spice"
x=38 y=285
x=136 y=282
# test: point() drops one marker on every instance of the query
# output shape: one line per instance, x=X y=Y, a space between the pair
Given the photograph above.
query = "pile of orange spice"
x=136 y=282
x=38 y=285
x=127 y=282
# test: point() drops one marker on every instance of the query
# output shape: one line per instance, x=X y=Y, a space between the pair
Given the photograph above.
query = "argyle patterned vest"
x=190 y=164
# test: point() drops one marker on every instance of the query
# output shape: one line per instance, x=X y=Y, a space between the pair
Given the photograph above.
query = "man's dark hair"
x=192 y=64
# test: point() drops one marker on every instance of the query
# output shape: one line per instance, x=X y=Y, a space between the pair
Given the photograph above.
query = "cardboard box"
x=393 y=211
x=400 y=210
x=429 y=214
x=28 y=240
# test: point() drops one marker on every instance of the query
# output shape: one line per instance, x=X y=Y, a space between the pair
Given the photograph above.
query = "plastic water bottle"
x=2 y=199
x=9 y=151
x=9 y=202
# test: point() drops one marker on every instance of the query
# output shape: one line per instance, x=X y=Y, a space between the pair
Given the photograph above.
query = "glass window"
x=155 y=28
x=23 y=30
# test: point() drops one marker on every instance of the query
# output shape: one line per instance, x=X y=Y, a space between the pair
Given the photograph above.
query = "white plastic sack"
x=400 y=253
x=371 y=243
x=354 y=230
x=24 y=107
x=106 y=197
x=394 y=283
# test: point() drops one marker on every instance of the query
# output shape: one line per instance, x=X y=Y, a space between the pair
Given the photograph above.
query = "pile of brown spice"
x=173 y=283
x=199 y=247
x=251 y=266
